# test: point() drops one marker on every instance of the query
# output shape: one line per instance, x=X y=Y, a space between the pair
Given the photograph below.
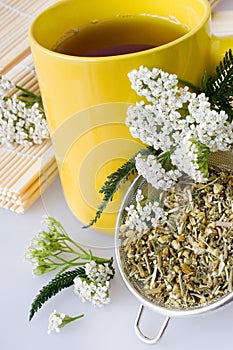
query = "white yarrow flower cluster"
x=98 y=272
x=176 y=121
x=95 y=287
x=140 y=217
x=185 y=158
x=55 y=322
x=151 y=169
x=20 y=124
x=58 y=321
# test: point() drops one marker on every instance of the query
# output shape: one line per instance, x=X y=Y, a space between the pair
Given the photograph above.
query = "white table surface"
x=101 y=328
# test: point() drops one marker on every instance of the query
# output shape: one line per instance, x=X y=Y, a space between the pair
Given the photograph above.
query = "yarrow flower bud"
x=47 y=248
x=41 y=250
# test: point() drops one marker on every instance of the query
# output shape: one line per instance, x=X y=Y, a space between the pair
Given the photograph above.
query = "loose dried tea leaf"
x=187 y=260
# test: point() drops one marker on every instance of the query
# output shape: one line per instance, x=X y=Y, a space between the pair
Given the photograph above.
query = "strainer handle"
x=143 y=337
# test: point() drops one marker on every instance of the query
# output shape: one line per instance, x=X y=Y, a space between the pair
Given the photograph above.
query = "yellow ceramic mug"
x=86 y=98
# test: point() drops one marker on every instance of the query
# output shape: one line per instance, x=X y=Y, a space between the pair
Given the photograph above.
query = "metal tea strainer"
x=222 y=160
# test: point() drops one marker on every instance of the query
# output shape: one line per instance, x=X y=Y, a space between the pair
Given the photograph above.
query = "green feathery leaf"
x=58 y=283
x=112 y=185
x=219 y=88
x=29 y=98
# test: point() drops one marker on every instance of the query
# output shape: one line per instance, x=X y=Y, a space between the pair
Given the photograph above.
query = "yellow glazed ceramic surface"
x=86 y=99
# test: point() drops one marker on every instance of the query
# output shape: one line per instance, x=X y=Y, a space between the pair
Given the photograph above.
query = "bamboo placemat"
x=25 y=172
x=15 y=18
x=24 y=74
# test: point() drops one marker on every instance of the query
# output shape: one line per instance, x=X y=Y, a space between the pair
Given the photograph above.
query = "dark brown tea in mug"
x=123 y=35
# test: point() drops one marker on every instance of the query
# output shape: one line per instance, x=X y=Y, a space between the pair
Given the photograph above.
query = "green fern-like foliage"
x=219 y=87
x=114 y=181
x=29 y=98
x=58 y=283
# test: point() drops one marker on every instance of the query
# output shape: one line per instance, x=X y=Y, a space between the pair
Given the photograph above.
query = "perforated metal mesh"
x=223 y=160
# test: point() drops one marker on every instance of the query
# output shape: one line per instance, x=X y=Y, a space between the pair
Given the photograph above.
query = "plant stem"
x=188 y=83
x=76 y=245
x=191 y=85
x=73 y=262
x=69 y=319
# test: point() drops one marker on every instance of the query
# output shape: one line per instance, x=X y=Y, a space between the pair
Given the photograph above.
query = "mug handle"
x=223 y=40
x=143 y=337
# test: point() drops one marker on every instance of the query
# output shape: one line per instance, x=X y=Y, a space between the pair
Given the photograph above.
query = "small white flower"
x=82 y=288
x=95 y=292
x=91 y=269
x=101 y=295
x=95 y=286
x=185 y=159
x=58 y=321
x=5 y=86
x=98 y=272
x=55 y=322
x=151 y=169
x=144 y=215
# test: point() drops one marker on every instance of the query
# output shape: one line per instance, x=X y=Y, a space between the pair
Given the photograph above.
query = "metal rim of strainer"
x=226 y=163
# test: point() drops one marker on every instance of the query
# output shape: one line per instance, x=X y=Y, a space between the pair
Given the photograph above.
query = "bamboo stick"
x=32 y=173
x=21 y=203
x=9 y=179
x=39 y=191
x=22 y=197
x=45 y=175
x=16 y=160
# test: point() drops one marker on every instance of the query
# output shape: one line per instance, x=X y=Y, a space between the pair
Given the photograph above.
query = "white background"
x=101 y=328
